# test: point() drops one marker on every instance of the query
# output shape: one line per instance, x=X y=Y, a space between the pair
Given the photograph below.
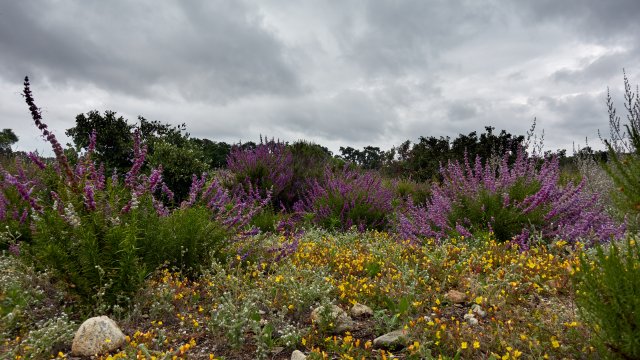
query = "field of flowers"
x=503 y=258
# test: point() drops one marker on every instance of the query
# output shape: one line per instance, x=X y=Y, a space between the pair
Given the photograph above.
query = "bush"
x=511 y=201
x=309 y=163
x=624 y=155
x=267 y=167
x=607 y=289
x=346 y=198
x=178 y=164
x=103 y=236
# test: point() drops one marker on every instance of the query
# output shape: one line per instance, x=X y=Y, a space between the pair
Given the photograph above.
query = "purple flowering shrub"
x=268 y=168
x=346 y=198
x=513 y=201
x=104 y=234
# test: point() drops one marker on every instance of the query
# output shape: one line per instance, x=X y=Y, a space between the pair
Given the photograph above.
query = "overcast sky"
x=339 y=73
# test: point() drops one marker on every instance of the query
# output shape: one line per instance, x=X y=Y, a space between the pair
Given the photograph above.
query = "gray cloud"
x=339 y=73
x=211 y=51
x=604 y=20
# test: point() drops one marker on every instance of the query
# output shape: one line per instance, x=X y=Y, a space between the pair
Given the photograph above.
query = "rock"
x=359 y=311
x=97 y=335
x=393 y=340
x=471 y=319
x=477 y=309
x=337 y=319
x=456 y=296
x=298 y=355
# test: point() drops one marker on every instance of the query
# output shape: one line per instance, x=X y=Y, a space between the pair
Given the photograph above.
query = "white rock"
x=298 y=355
x=392 y=340
x=471 y=319
x=477 y=309
x=338 y=317
x=360 y=311
x=97 y=335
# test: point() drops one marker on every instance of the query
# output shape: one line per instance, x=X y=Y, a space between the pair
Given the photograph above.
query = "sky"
x=335 y=72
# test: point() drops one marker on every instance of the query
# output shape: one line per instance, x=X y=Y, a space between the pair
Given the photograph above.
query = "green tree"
x=113 y=139
x=7 y=138
x=215 y=153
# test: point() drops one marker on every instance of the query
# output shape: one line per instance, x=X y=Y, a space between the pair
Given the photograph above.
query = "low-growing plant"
x=346 y=198
x=512 y=201
x=607 y=286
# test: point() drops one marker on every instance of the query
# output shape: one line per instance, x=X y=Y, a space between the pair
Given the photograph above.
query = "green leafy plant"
x=624 y=155
x=607 y=288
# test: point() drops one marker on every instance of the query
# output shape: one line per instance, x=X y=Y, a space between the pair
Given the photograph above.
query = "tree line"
x=181 y=155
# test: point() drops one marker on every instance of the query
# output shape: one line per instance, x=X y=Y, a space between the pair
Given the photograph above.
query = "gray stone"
x=477 y=309
x=393 y=340
x=337 y=320
x=359 y=311
x=97 y=335
x=471 y=319
x=298 y=355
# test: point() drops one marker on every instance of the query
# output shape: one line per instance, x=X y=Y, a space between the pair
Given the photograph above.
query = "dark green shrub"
x=417 y=191
x=179 y=164
x=608 y=297
x=186 y=239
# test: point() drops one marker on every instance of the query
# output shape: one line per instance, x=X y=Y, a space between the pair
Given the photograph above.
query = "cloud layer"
x=338 y=73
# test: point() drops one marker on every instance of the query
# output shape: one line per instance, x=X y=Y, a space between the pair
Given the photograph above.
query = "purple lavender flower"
x=565 y=212
x=269 y=166
x=36 y=115
x=348 y=198
x=139 y=156
x=89 y=198
x=35 y=158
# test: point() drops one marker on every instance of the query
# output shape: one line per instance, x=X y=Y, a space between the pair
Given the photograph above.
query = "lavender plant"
x=511 y=201
x=346 y=198
x=104 y=235
x=268 y=167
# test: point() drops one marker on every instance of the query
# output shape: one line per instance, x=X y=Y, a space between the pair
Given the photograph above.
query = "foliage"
x=607 y=286
x=7 y=138
x=178 y=164
x=309 y=163
x=421 y=161
x=370 y=157
x=114 y=143
x=511 y=201
x=418 y=192
x=214 y=153
x=624 y=154
x=346 y=198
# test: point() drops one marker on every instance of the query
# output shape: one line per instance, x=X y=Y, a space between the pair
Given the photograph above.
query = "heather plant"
x=513 y=201
x=346 y=198
x=607 y=285
x=267 y=167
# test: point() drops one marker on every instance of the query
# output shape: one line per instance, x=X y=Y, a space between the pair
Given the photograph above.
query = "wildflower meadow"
x=285 y=251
